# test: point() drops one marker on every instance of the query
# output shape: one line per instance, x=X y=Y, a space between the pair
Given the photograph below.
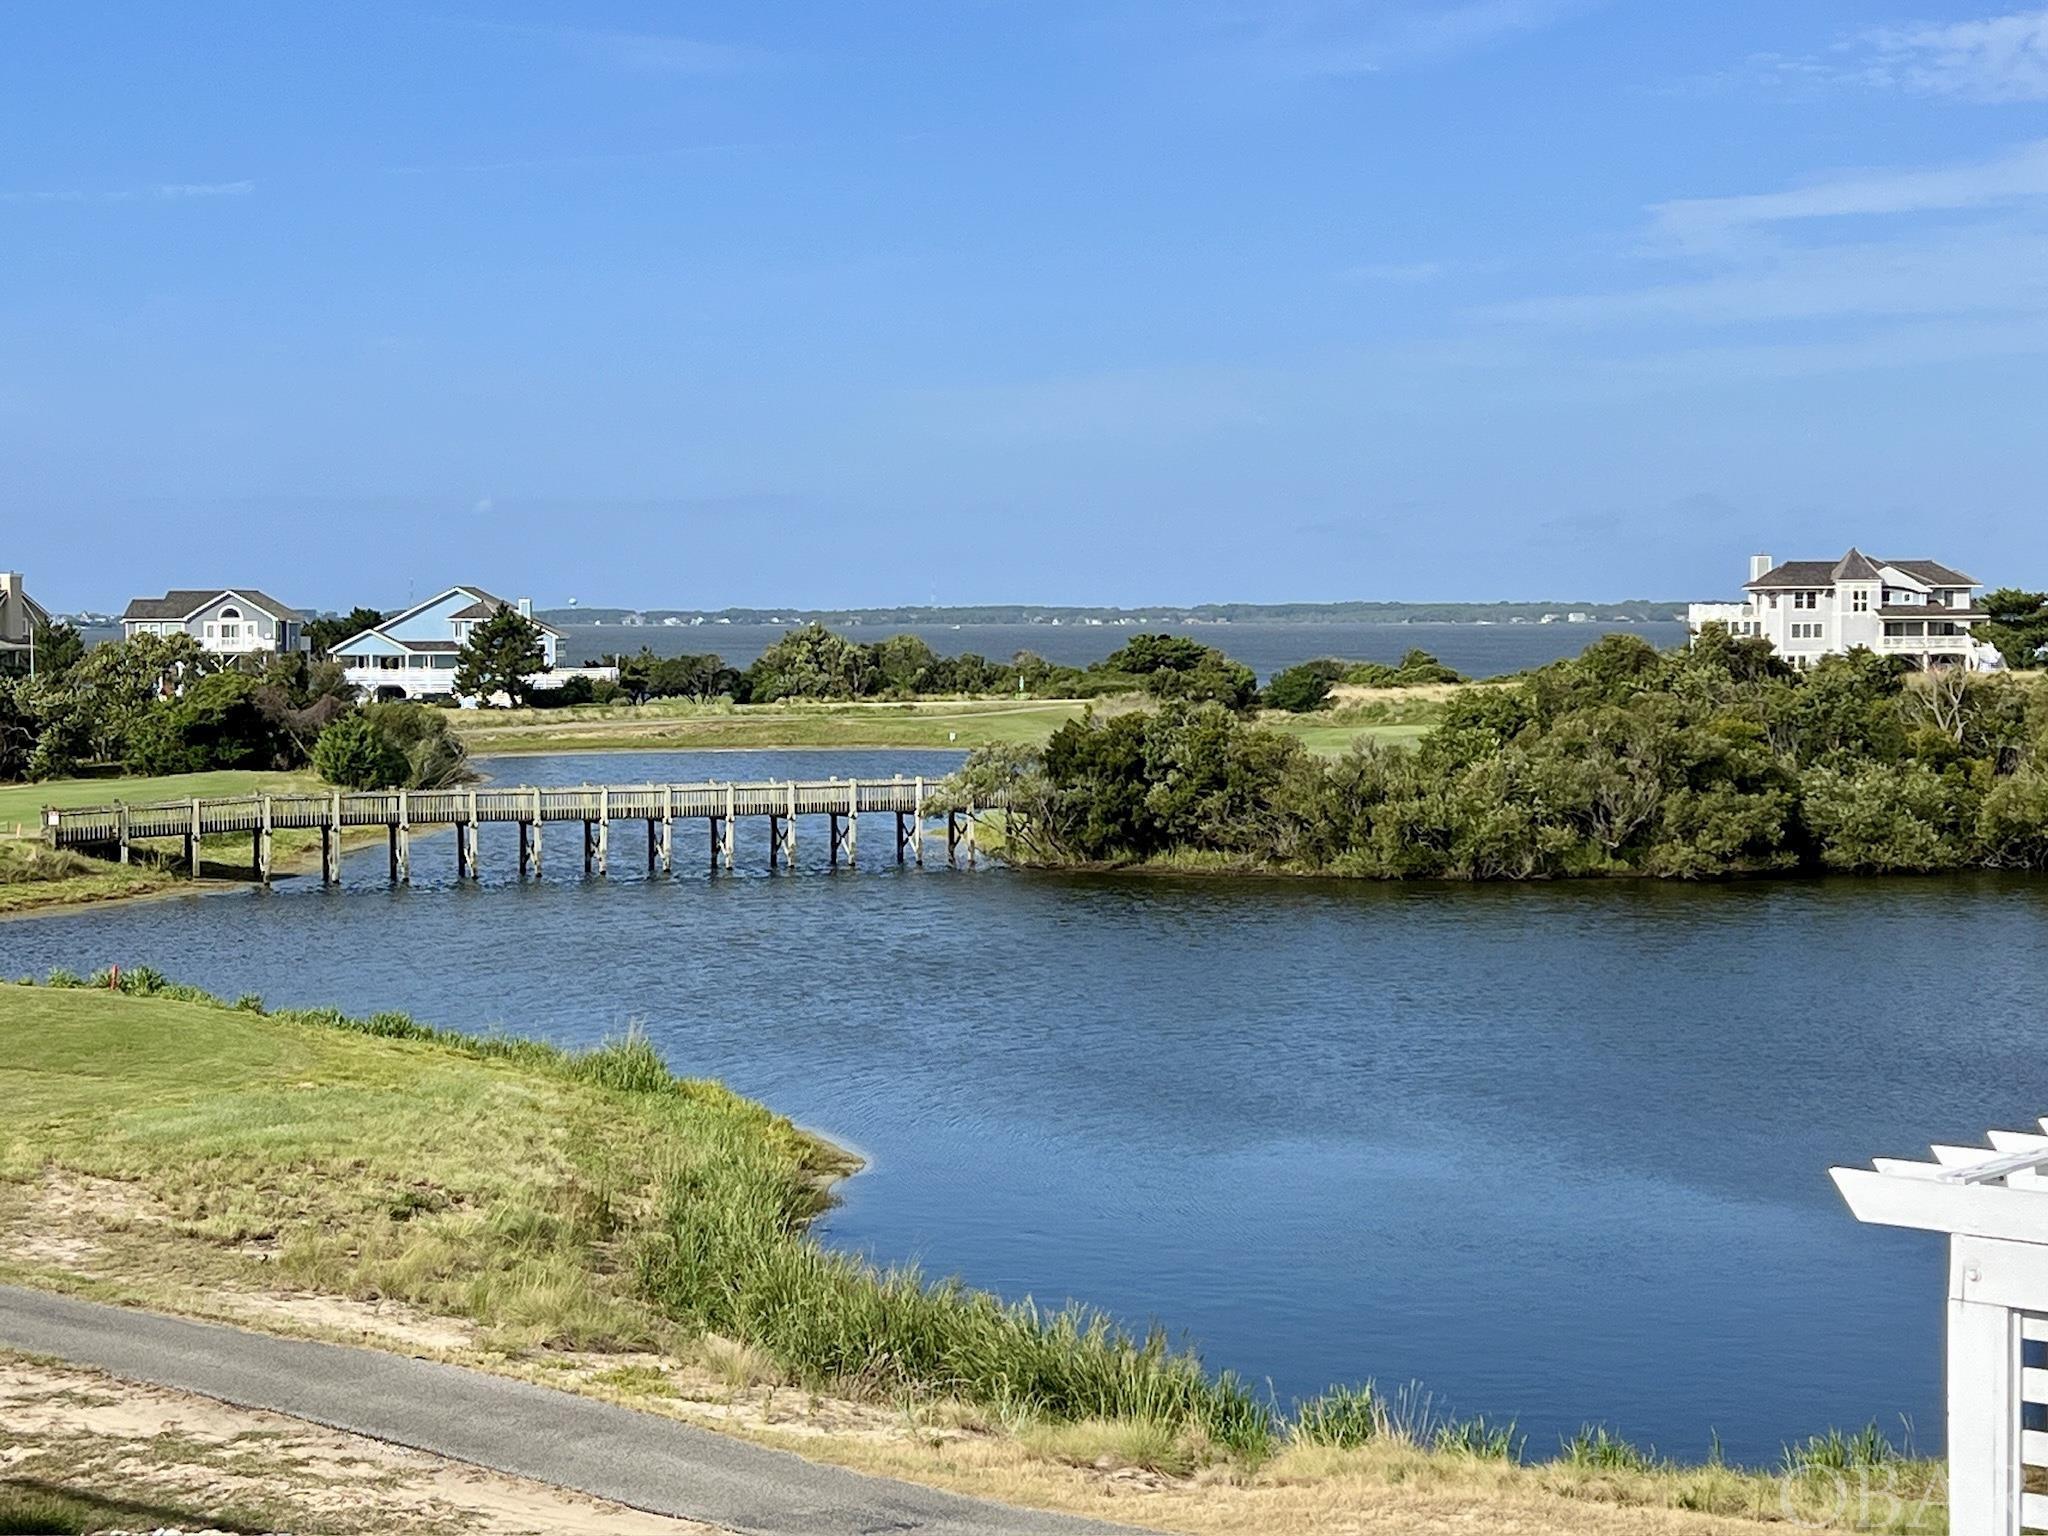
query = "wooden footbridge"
x=114 y=829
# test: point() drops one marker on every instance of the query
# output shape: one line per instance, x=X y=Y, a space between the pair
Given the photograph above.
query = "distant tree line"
x=1713 y=760
x=812 y=662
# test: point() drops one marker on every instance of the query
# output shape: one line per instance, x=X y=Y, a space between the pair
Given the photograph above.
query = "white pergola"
x=1993 y=1204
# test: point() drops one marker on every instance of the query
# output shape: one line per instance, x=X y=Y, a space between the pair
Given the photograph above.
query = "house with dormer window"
x=1919 y=609
x=412 y=654
x=226 y=621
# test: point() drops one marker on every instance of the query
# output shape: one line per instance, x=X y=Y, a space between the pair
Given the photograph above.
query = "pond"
x=1558 y=1153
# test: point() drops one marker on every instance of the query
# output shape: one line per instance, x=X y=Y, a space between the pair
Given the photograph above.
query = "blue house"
x=411 y=655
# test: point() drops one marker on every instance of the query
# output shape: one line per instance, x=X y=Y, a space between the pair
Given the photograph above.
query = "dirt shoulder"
x=83 y=1451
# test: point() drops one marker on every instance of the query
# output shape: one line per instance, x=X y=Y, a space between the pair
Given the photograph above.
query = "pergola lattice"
x=1993 y=1204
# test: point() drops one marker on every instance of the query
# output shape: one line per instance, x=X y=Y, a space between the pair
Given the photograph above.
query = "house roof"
x=1929 y=611
x=30 y=606
x=484 y=605
x=183 y=602
x=1934 y=573
x=1856 y=566
x=1796 y=573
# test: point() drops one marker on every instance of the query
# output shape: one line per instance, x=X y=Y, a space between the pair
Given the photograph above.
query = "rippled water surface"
x=1560 y=1153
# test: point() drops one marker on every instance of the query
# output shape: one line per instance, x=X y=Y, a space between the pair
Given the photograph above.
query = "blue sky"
x=1129 y=301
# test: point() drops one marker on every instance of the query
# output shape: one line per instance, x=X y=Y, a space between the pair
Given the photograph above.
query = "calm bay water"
x=1558 y=1152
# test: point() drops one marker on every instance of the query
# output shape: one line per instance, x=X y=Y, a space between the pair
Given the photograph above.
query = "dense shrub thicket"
x=1713 y=760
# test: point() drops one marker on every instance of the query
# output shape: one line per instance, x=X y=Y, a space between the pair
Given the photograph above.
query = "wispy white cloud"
x=2018 y=176
x=1992 y=59
x=1999 y=58
x=1844 y=272
x=162 y=192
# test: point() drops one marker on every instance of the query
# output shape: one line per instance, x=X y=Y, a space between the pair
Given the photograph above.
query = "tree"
x=353 y=754
x=502 y=655
x=810 y=663
x=434 y=755
x=55 y=650
x=325 y=634
x=214 y=721
x=1303 y=689
x=2017 y=623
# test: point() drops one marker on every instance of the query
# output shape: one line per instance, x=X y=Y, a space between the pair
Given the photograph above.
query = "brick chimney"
x=1759 y=566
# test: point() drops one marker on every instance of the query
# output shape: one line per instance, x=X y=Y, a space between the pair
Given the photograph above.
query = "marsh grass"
x=1597 y=1448
x=34 y=875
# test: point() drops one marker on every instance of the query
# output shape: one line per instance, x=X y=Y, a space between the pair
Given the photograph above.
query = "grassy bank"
x=36 y=878
x=21 y=805
x=959 y=724
x=592 y=1220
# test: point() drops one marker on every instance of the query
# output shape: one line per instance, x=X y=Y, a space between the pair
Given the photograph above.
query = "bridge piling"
x=330 y=842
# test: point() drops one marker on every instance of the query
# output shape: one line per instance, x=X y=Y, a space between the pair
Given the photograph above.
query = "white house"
x=1807 y=609
x=228 y=621
x=411 y=655
x=19 y=615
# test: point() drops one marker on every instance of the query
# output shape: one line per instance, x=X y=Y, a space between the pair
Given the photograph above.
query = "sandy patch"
x=387 y=1322
x=91 y=1434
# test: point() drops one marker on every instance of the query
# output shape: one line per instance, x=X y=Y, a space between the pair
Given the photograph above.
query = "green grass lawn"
x=1327 y=739
x=33 y=877
x=21 y=805
x=265 y=1150
x=675 y=724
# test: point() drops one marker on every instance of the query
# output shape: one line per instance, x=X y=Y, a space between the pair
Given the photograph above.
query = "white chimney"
x=1759 y=566
x=14 y=623
x=526 y=607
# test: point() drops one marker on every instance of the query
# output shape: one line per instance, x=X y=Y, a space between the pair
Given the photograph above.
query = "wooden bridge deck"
x=117 y=826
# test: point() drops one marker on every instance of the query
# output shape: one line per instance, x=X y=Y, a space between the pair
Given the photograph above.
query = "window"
x=444 y=661
x=1806 y=631
x=1805 y=599
x=1859 y=600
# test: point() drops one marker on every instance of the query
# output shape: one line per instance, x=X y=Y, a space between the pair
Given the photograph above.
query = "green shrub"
x=352 y=754
x=1304 y=689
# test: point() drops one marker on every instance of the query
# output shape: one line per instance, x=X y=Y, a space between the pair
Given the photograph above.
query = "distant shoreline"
x=1635 y=611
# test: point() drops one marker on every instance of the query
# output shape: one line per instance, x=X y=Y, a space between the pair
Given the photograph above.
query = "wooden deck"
x=115 y=827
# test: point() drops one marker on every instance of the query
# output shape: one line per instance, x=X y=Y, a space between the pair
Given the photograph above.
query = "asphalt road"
x=639 y=1459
